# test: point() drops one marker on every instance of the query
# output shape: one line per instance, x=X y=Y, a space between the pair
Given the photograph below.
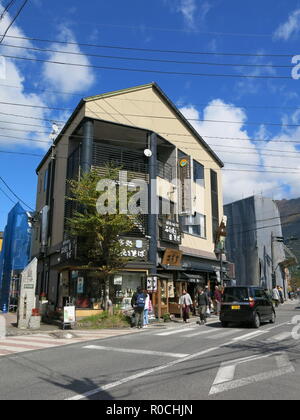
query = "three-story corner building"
x=142 y=131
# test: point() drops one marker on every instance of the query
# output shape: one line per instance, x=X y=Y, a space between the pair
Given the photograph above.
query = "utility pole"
x=272 y=258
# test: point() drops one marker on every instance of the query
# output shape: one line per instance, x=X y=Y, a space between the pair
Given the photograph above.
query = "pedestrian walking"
x=209 y=309
x=218 y=300
x=202 y=305
x=138 y=304
x=275 y=297
x=147 y=309
x=280 y=291
x=185 y=301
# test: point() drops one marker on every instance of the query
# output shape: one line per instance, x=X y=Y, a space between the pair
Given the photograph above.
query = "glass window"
x=236 y=294
x=195 y=225
x=198 y=173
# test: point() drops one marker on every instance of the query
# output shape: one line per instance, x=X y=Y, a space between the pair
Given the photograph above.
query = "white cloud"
x=290 y=27
x=188 y=9
x=193 y=12
x=18 y=130
x=68 y=78
x=241 y=184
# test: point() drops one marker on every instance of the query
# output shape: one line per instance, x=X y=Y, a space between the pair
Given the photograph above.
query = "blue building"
x=15 y=254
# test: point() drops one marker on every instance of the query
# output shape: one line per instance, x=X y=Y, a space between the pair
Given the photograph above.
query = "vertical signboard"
x=27 y=300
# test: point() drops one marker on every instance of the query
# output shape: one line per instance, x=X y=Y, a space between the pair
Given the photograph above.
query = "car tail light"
x=251 y=302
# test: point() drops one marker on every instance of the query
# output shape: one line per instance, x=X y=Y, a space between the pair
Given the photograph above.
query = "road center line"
x=136 y=351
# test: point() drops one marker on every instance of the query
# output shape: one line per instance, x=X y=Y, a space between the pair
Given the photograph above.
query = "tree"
x=98 y=235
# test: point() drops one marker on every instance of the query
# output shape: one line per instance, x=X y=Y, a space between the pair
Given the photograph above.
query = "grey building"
x=253 y=229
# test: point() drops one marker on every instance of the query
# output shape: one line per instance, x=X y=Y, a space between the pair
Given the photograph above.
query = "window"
x=195 y=225
x=198 y=173
x=167 y=208
x=236 y=294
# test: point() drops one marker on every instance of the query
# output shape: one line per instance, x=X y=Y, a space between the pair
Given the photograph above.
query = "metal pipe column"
x=153 y=203
x=87 y=146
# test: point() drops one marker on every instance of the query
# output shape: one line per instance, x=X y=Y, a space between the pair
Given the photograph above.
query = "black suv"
x=248 y=304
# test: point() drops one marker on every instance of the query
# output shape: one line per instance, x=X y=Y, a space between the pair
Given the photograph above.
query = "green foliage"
x=166 y=317
x=98 y=234
x=104 y=320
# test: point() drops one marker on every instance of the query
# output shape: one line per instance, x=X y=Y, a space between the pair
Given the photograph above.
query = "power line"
x=14 y=194
x=153 y=60
x=5 y=10
x=82 y=95
x=14 y=19
x=31 y=118
x=174 y=73
x=156 y=116
x=151 y=50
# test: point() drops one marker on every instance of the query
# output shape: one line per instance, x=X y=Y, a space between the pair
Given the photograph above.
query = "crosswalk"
x=214 y=333
x=21 y=344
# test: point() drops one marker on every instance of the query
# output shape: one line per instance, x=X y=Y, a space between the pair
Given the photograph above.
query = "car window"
x=258 y=293
x=236 y=294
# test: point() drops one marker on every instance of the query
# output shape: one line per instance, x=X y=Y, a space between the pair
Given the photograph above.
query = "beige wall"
x=142 y=104
x=139 y=108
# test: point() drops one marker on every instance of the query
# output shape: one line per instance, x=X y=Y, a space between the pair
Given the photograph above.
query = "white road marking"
x=15 y=349
x=135 y=351
x=160 y=368
x=139 y=375
x=203 y=332
x=249 y=336
x=176 y=331
x=225 y=374
x=224 y=379
x=27 y=343
x=223 y=334
x=280 y=337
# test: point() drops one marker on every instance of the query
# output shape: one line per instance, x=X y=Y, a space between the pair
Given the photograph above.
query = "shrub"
x=104 y=320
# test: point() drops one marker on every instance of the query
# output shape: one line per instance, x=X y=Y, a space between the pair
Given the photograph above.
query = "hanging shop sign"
x=152 y=284
x=118 y=280
x=135 y=249
x=172 y=257
x=80 y=285
x=67 y=251
x=171 y=231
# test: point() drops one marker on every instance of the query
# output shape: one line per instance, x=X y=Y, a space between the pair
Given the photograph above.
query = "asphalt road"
x=189 y=362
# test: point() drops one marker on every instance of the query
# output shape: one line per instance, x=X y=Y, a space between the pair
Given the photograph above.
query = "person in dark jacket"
x=138 y=303
x=203 y=303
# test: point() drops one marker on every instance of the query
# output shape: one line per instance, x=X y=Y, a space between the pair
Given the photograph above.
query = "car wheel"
x=273 y=319
x=224 y=324
x=256 y=320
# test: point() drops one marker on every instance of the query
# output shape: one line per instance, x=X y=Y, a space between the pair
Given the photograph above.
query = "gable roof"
x=170 y=104
x=164 y=98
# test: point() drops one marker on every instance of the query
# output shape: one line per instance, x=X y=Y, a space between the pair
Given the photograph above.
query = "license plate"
x=235 y=308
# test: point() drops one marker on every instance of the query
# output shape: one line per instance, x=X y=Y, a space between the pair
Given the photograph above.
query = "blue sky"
x=228 y=26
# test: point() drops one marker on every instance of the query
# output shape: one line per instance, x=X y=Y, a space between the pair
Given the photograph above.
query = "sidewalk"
x=12 y=330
